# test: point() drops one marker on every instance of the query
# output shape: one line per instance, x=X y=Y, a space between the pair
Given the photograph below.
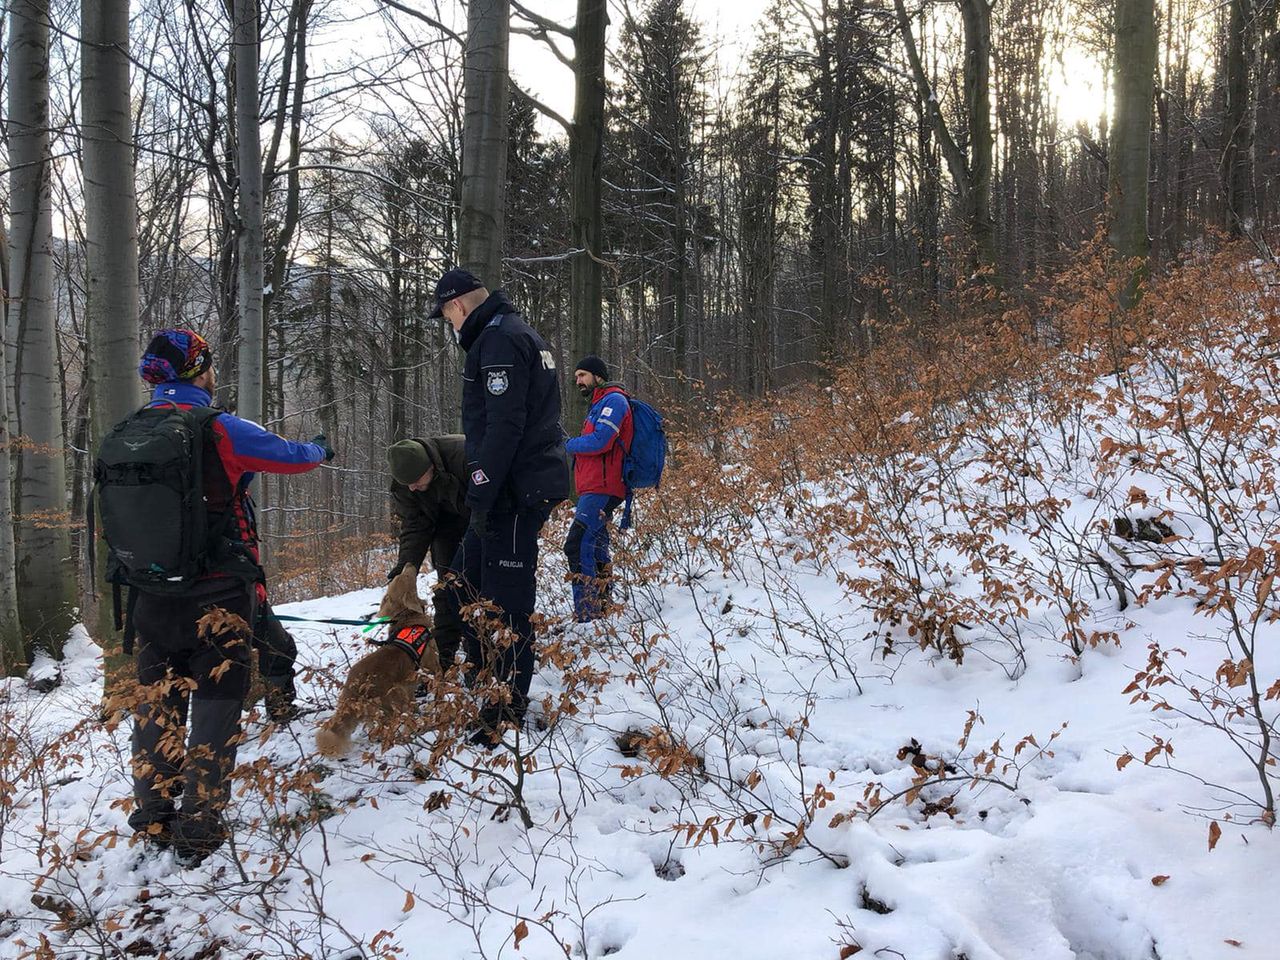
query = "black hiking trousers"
x=501 y=568
x=187 y=720
x=277 y=657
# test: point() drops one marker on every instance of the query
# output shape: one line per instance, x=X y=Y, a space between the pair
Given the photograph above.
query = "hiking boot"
x=280 y=707
x=484 y=737
x=155 y=837
x=195 y=838
x=493 y=723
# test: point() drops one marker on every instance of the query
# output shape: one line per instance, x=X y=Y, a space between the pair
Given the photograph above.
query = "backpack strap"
x=130 y=631
x=92 y=540
x=625 y=522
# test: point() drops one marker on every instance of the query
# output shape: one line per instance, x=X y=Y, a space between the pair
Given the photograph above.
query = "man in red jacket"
x=597 y=473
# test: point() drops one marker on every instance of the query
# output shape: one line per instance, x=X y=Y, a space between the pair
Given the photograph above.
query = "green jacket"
x=442 y=503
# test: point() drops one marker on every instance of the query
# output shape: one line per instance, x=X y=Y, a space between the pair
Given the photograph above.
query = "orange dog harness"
x=412 y=639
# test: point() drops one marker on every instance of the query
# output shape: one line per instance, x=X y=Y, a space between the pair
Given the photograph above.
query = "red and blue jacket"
x=244 y=449
x=606 y=437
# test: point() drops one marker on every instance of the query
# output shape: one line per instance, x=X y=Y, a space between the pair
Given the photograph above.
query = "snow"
x=774 y=675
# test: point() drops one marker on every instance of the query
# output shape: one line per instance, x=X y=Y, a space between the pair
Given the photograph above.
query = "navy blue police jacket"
x=510 y=412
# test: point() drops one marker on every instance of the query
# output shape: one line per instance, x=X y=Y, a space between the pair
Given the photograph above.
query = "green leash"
x=367 y=624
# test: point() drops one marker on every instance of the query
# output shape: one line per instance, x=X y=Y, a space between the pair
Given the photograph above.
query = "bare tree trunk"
x=12 y=656
x=1130 y=141
x=111 y=222
x=972 y=172
x=977 y=98
x=586 y=141
x=249 y=166
x=1238 y=130
x=45 y=567
x=484 y=139
x=295 y=44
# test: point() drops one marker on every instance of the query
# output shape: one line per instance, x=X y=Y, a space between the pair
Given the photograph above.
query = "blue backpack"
x=642 y=466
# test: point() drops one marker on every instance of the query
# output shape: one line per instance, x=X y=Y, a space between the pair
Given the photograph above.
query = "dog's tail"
x=333 y=739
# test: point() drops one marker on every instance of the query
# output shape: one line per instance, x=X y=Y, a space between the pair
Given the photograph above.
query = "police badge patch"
x=497 y=382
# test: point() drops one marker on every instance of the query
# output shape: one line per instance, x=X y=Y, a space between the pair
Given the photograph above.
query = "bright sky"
x=727 y=25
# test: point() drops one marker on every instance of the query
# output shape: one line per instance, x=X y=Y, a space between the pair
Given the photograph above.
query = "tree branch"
x=541 y=107
x=538 y=33
x=956 y=161
x=548 y=26
x=429 y=21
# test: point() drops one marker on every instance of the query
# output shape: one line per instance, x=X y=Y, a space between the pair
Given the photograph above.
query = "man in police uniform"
x=517 y=472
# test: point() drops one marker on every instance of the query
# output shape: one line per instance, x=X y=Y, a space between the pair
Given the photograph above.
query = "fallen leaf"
x=1159 y=881
x=408 y=901
x=1234 y=943
x=1215 y=833
x=521 y=931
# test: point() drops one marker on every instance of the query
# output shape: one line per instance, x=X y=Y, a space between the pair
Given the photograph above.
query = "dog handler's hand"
x=480 y=523
x=395 y=571
x=321 y=442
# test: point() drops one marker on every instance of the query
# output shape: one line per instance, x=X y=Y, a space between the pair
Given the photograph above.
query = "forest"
x=722 y=221
x=949 y=631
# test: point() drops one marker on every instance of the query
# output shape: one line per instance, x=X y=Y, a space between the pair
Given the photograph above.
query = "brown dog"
x=380 y=687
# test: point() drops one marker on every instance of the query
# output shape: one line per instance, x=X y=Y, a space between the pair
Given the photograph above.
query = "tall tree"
x=45 y=567
x=1238 y=128
x=111 y=223
x=12 y=655
x=764 y=150
x=1130 y=140
x=484 y=139
x=586 y=147
x=253 y=347
x=661 y=112
x=971 y=165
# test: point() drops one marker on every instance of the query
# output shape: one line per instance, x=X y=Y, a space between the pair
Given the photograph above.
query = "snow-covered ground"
x=778 y=821
x=1065 y=865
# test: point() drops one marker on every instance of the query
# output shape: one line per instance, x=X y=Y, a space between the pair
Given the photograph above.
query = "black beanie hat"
x=593 y=364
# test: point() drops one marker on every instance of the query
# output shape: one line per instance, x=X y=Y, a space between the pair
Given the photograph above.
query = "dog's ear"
x=402 y=595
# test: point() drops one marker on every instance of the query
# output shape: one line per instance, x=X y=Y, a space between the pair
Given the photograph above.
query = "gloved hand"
x=395 y=571
x=480 y=523
x=320 y=441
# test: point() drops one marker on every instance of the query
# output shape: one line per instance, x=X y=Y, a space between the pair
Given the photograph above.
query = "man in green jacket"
x=429 y=490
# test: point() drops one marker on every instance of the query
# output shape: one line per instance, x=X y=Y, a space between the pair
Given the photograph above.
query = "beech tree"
x=969 y=160
x=484 y=140
x=12 y=655
x=1130 y=142
x=252 y=353
x=111 y=230
x=45 y=567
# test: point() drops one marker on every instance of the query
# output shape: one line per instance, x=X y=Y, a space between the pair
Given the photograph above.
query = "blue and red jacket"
x=244 y=449
x=606 y=437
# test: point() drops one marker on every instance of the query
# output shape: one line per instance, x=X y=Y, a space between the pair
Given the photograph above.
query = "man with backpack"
x=598 y=455
x=622 y=449
x=173 y=492
x=517 y=473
